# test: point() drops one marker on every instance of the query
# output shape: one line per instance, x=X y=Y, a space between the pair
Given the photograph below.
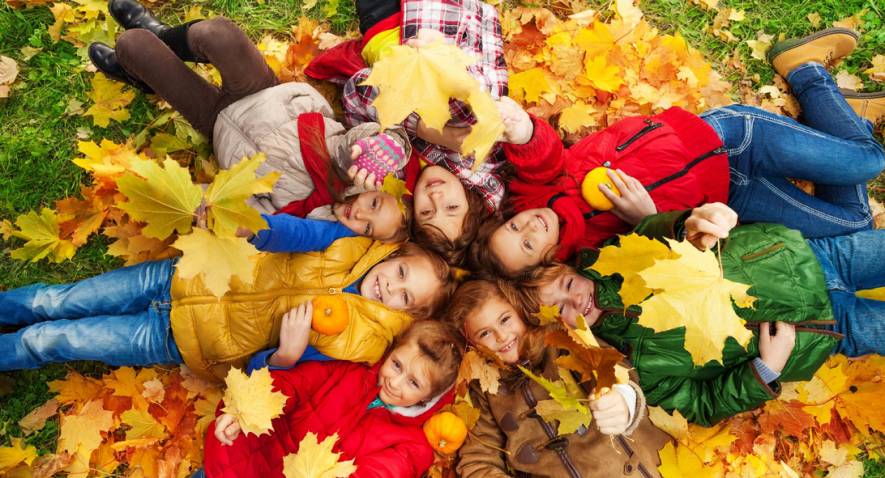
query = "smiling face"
x=371 y=214
x=405 y=377
x=574 y=294
x=525 y=239
x=401 y=283
x=497 y=326
x=440 y=201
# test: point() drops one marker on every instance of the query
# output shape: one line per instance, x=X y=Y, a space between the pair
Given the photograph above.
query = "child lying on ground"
x=376 y=411
x=508 y=421
x=291 y=123
x=146 y=314
x=806 y=286
x=738 y=154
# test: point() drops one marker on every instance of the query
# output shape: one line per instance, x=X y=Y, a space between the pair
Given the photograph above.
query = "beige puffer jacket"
x=267 y=122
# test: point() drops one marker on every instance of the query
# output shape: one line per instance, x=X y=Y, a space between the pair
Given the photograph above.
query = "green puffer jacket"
x=789 y=284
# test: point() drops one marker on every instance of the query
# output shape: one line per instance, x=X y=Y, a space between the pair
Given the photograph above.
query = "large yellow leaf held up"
x=216 y=258
x=693 y=293
x=315 y=459
x=226 y=197
x=41 y=232
x=422 y=80
x=634 y=254
x=163 y=197
x=252 y=401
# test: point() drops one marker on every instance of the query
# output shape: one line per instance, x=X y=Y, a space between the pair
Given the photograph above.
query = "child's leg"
x=123 y=291
x=243 y=69
x=764 y=149
x=851 y=263
x=823 y=106
x=143 y=338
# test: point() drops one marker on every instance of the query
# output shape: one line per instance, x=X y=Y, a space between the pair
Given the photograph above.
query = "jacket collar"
x=415 y=415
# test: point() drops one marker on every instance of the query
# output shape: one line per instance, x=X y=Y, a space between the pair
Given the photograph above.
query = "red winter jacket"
x=675 y=154
x=326 y=398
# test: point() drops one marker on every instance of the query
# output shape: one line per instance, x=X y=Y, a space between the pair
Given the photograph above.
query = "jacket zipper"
x=551 y=434
x=649 y=127
x=249 y=296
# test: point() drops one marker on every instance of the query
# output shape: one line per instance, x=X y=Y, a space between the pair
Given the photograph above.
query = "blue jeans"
x=119 y=318
x=835 y=149
x=851 y=263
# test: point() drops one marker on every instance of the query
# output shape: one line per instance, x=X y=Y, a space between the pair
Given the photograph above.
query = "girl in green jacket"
x=806 y=287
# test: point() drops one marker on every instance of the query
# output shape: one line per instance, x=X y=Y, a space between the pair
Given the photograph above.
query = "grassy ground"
x=38 y=139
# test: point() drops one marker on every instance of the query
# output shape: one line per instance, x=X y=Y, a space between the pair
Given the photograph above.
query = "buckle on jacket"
x=557 y=444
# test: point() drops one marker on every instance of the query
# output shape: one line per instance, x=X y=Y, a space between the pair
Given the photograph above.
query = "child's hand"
x=709 y=223
x=294 y=334
x=518 y=127
x=451 y=137
x=425 y=37
x=610 y=413
x=245 y=233
x=227 y=429
x=634 y=203
x=775 y=350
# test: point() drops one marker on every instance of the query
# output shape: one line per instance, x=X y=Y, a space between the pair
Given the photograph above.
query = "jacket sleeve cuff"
x=260 y=361
x=638 y=412
x=765 y=373
x=773 y=389
x=262 y=237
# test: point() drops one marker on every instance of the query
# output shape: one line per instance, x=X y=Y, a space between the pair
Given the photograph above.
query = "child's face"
x=574 y=294
x=440 y=201
x=371 y=214
x=405 y=376
x=525 y=239
x=498 y=327
x=401 y=283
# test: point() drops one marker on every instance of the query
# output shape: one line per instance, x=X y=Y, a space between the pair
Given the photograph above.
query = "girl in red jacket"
x=739 y=155
x=377 y=412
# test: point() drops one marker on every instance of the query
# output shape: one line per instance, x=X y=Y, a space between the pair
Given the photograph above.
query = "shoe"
x=869 y=106
x=105 y=59
x=130 y=14
x=824 y=47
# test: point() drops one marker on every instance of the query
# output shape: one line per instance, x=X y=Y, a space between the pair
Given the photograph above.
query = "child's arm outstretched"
x=530 y=144
x=287 y=233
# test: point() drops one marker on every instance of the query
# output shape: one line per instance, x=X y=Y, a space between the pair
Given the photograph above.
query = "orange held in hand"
x=330 y=315
x=590 y=189
x=446 y=432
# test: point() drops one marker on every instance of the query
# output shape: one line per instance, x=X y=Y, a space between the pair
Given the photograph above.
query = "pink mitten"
x=380 y=154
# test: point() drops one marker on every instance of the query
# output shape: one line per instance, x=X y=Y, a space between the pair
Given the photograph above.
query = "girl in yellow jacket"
x=146 y=314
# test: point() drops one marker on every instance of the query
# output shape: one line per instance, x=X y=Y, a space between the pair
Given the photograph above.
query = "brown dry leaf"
x=595 y=364
x=475 y=367
x=8 y=74
x=47 y=466
x=37 y=418
x=854 y=22
x=877 y=71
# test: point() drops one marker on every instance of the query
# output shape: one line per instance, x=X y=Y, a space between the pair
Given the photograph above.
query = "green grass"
x=37 y=140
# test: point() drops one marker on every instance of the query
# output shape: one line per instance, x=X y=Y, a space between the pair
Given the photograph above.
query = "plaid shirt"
x=474 y=26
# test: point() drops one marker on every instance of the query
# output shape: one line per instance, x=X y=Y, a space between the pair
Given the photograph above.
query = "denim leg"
x=142 y=338
x=199 y=473
x=823 y=106
x=119 y=292
x=764 y=149
x=851 y=263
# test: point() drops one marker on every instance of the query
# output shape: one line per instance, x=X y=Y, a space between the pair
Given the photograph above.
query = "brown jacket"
x=508 y=421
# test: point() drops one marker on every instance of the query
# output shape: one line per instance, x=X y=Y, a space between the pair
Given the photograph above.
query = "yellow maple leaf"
x=397 y=188
x=422 y=80
x=80 y=435
x=12 y=456
x=549 y=314
x=107 y=159
x=629 y=13
x=75 y=388
x=601 y=75
x=142 y=425
x=163 y=197
x=226 y=197
x=475 y=367
x=760 y=45
x=877 y=71
x=110 y=101
x=694 y=294
x=41 y=233
x=252 y=401
x=633 y=255
x=595 y=41
x=848 y=81
x=569 y=420
x=216 y=258
x=577 y=117
x=529 y=85
x=315 y=459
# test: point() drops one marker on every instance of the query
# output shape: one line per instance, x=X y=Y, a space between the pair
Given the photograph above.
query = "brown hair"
x=472 y=295
x=441 y=271
x=480 y=256
x=440 y=344
x=455 y=251
x=402 y=234
x=527 y=287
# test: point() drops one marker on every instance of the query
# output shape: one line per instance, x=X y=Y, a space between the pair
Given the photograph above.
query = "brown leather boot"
x=824 y=47
x=869 y=106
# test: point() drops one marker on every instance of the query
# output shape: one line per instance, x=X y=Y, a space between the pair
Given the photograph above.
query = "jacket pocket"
x=648 y=128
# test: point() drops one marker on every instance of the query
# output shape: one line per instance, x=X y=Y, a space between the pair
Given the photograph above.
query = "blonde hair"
x=439 y=343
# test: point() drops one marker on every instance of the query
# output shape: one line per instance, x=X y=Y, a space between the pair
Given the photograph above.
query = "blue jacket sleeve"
x=259 y=360
x=287 y=233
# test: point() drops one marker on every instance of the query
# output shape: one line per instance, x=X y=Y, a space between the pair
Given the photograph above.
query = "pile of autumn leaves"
x=582 y=72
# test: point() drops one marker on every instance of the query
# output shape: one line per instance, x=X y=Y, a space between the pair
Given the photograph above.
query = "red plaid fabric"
x=474 y=26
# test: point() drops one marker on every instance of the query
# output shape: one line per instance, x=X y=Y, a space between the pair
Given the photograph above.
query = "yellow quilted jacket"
x=214 y=334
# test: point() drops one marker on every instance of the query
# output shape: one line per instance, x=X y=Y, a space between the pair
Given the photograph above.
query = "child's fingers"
x=607 y=192
x=355 y=151
x=351 y=172
x=360 y=177
x=371 y=182
x=764 y=334
x=617 y=180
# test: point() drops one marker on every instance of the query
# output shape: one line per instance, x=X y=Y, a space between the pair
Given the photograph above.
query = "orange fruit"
x=330 y=315
x=590 y=189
